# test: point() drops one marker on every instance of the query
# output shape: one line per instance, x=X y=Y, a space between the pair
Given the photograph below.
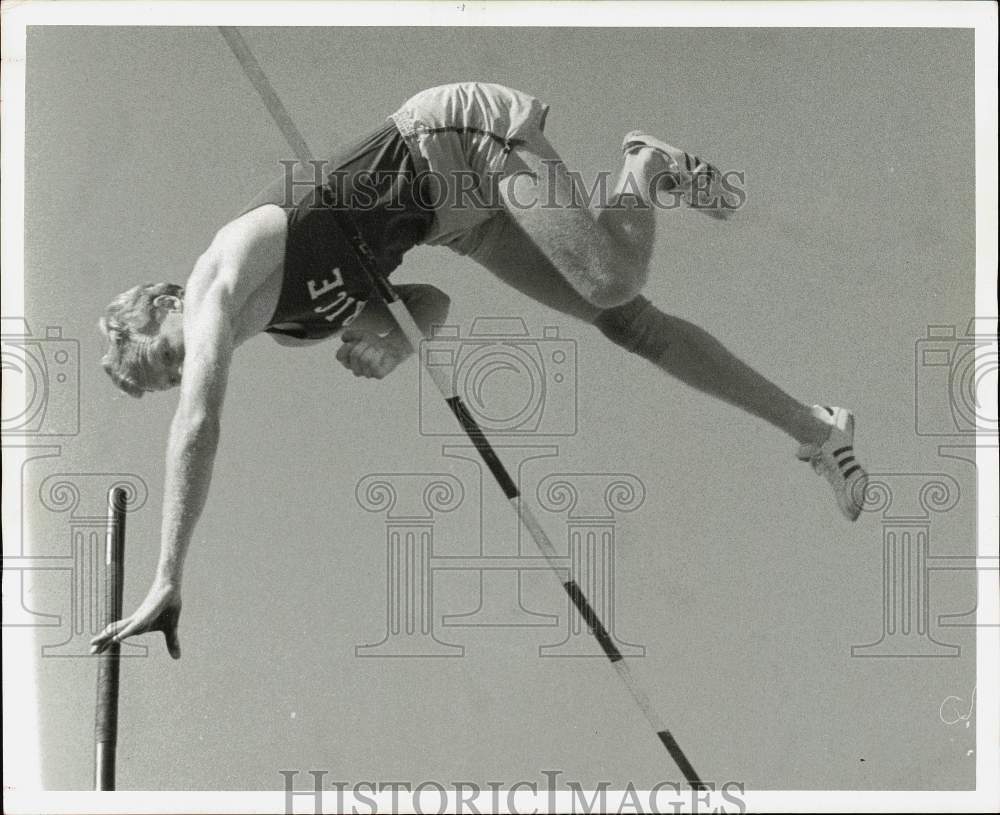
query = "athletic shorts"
x=461 y=135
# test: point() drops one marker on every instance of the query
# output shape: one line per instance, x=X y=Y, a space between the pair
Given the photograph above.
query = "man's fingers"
x=344 y=353
x=359 y=351
x=168 y=624
x=370 y=358
x=111 y=628
x=173 y=642
x=127 y=631
x=109 y=631
x=367 y=355
x=108 y=635
x=386 y=362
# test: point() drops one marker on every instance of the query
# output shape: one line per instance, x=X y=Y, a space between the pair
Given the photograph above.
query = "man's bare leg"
x=676 y=346
x=541 y=197
x=545 y=253
x=628 y=214
x=696 y=358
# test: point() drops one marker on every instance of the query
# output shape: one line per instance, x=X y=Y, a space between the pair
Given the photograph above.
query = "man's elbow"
x=443 y=302
x=427 y=303
x=439 y=302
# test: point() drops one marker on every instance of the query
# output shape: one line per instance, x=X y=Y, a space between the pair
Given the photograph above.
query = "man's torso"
x=319 y=286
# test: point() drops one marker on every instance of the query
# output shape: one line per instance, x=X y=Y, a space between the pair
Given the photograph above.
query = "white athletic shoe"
x=835 y=460
x=698 y=183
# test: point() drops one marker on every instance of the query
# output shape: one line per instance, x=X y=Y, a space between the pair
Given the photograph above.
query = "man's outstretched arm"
x=194 y=432
x=241 y=258
x=191 y=448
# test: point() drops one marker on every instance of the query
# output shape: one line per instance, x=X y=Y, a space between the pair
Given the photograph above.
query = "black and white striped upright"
x=109 y=661
x=445 y=385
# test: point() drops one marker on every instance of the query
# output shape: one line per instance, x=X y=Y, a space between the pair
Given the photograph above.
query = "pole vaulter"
x=444 y=383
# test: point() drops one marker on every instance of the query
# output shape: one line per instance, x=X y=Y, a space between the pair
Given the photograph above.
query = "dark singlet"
x=375 y=183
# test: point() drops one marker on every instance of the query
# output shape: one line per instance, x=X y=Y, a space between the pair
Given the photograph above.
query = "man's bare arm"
x=238 y=262
x=194 y=432
x=428 y=305
x=241 y=257
x=194 y=437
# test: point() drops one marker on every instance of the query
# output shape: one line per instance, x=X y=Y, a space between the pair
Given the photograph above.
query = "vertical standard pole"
x=109 y=661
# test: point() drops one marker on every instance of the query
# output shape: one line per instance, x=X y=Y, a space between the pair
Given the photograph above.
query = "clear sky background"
x=738 y=574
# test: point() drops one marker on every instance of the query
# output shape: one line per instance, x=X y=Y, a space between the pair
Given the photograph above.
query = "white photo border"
x=22 y=793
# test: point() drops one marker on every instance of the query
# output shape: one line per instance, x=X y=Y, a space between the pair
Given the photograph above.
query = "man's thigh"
x=512 y=256
x=538 y=194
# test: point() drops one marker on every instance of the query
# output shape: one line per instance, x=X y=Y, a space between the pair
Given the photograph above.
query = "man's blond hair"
x=129 y=324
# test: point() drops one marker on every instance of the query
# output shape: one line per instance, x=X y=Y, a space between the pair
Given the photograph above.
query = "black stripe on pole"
x=109 y=662
x=475 y=434
x=590 y=617
x=681 y=760
x=611 y=650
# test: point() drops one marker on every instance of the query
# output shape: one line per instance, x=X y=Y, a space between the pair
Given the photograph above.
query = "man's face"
x=166 y=360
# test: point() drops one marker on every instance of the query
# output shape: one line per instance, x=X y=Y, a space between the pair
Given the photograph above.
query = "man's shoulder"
x=244 y=253
x=263 y=223
x=254 y=239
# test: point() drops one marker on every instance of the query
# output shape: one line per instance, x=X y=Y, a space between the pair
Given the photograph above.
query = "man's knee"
x=615 y=280
x=617 y=291
x=637 y=326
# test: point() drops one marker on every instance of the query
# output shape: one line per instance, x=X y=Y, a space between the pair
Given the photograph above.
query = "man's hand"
x=365 y=353
x=160 y=611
